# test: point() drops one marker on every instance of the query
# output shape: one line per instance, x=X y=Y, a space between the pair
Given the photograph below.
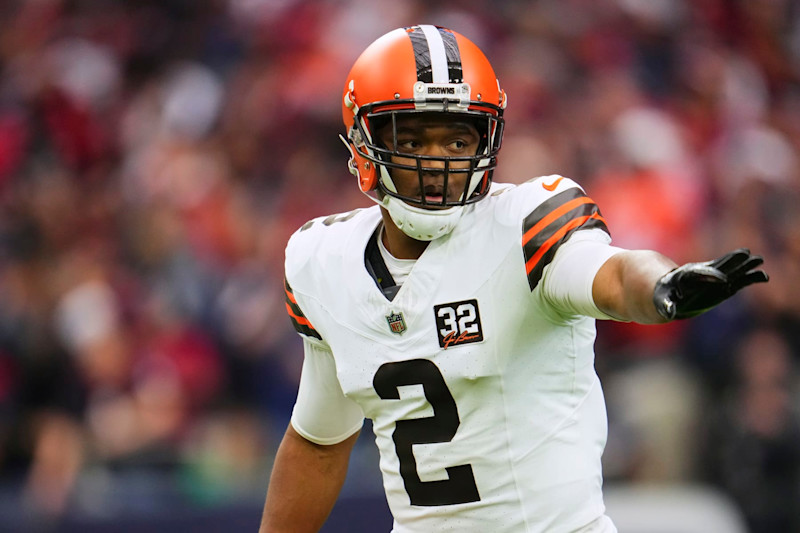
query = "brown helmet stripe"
x=436 y=53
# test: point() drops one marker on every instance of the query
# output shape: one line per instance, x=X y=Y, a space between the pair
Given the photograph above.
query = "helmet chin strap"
x=422 y=224
x=417 y=223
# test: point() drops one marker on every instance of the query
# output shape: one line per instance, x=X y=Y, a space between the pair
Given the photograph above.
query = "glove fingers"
x=745 y=274
x=751 y=263
x=757 y=276
x=731 y=260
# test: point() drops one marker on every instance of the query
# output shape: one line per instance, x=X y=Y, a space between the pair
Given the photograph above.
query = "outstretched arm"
x=305 y=482
x=623 y=287
x=649 y=288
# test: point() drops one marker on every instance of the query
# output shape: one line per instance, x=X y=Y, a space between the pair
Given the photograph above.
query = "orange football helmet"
x=421 y=69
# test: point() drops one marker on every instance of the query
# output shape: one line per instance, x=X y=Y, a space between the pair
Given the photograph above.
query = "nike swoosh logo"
x=553 y=185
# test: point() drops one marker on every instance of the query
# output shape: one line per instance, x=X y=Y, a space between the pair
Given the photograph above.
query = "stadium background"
x=155 y=155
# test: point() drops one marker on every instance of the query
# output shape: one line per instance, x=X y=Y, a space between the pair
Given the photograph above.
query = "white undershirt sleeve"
x=567 y=280
x=322 y=413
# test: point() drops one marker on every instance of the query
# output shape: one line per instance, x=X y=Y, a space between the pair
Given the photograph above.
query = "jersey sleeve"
x=553 y=221
x=322 y=413
x=567 y=281
x=299 y=321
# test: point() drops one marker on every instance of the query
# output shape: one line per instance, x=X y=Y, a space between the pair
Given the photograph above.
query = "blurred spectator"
x=753 y=447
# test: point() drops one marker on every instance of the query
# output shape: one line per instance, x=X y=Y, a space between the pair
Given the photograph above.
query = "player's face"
x=436 y=135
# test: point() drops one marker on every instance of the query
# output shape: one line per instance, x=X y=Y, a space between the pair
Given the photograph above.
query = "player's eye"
x=407 y=145
x=460 y=146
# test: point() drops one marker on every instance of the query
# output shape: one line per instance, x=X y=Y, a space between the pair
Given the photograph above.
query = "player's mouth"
x=433 y=195
x=433 y=198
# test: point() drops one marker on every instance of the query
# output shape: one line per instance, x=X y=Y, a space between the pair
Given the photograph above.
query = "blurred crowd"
x=155 y=156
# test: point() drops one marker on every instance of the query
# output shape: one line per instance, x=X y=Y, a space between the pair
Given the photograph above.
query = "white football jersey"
x=486 y=407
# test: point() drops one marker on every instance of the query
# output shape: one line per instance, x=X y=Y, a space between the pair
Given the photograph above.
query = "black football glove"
x=694 y=288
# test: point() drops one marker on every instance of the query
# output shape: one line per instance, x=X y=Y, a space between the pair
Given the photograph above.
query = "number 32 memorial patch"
x=458 y=323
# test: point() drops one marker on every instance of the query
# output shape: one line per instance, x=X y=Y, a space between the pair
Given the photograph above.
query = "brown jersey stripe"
x=558 y=238
x=551 y=224
x=538 y=228
x=299 y=320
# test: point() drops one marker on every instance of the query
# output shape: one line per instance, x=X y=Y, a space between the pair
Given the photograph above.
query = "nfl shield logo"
x=396 y=322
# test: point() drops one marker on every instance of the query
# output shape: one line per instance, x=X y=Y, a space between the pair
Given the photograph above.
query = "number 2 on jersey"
x=441 y=427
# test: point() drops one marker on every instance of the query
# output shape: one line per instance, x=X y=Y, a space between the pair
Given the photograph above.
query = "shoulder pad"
x=321 y=234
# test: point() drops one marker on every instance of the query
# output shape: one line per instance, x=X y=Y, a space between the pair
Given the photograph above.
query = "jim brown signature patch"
x=458 y=323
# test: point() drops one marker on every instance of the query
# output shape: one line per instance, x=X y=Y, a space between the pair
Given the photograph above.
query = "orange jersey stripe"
x=299 y=320
x=303 y=321
x=574 y=223
x=553 y=215
x=290 y=296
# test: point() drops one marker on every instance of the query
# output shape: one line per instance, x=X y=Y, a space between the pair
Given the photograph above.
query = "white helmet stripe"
x=438 y=53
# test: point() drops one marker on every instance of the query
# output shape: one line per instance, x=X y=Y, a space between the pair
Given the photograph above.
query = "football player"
x=459 y=314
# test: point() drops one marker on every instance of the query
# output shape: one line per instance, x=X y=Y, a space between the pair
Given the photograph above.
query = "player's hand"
x=694 y=288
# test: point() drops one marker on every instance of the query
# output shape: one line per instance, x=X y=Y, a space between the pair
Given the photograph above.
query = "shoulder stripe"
x=551 y=224
x=540 y=225
x=299 y=320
